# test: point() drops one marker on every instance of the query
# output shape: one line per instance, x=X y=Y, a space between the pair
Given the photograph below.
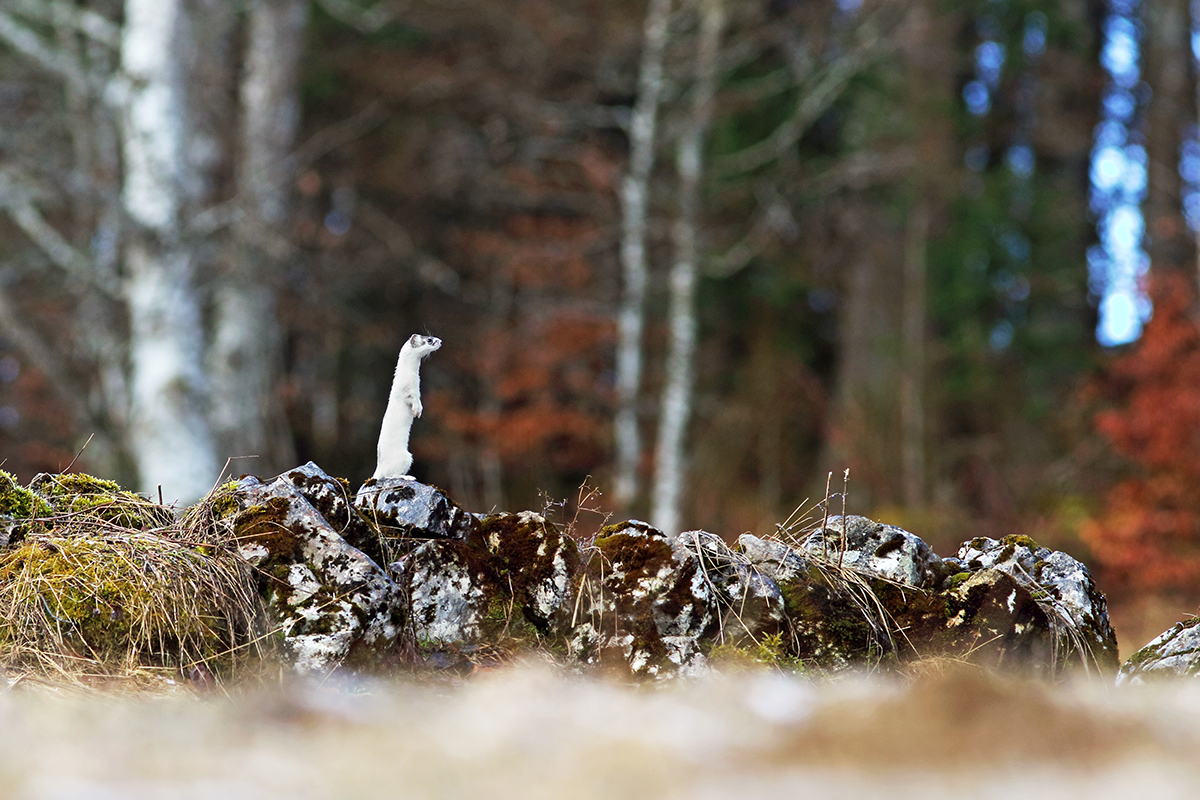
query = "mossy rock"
x=87 y=499
x=125 y=601
x=532 y=564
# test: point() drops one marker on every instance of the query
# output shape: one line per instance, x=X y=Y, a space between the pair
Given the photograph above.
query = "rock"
x=511 y=582
x=532 y=563
x=1062 y=586
x=750 y=601
x=772 y=558
x=447 y=599
x=333 y=499
x=645 y=604
x=990 y=619
x=335 y=605
x=874 y=548
x=1175 y=653
x=402 y=509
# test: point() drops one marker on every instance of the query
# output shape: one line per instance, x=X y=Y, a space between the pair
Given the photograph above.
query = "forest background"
x=695 y=254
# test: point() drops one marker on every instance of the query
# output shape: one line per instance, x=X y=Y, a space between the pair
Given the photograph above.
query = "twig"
x=77 y=455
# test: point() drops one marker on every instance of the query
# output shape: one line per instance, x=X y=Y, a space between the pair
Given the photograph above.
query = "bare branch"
x=94 y=26
x=19 y=204
x=323 y=141
x=46 y=361
x=29 y=43
x=825 y=87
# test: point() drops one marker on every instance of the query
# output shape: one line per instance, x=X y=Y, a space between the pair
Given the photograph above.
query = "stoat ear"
x=414 y=340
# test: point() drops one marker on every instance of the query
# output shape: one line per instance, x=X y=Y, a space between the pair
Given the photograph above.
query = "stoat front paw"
x=415 y=407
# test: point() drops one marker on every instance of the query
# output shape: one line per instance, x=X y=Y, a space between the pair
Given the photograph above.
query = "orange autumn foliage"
x=1149 y=534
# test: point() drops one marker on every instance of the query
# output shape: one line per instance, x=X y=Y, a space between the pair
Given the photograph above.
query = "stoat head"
x=421 y=346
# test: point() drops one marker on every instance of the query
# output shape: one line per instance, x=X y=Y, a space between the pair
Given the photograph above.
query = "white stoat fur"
x=404 y=405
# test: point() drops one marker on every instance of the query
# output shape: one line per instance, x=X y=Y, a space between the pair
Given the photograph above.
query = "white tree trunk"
x=169 y=437
x=676 y=407
x=635 y=191
x=245 y=352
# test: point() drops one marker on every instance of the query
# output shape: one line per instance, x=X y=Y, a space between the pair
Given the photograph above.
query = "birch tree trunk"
x=167 y=161
x=635 y=193
x=676 y=405
x=247 y=416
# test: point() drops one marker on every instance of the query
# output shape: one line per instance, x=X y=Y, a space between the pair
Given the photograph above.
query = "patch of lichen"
x=96 y=499
x=122 y=602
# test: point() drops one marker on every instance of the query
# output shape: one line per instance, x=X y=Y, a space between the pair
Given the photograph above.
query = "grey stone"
x=403 y=508
x=773 y=558
x=446 y=593
x=645 y=604
x=1062 y=585
x=1175 y=653
x=334 y=500
x=333 y=603
x=873 y=548
x=533 y=563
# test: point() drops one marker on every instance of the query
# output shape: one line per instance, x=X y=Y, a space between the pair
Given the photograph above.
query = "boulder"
x=532 y=563
x=402 y=509
x=334 y=500
x=1175 y=653
x=646 y=605
x=447 y=593
x=873 y=548
x=335 y=606
x=749 y=599
x=510 y=584
x=1064 y=589
x=772 y=558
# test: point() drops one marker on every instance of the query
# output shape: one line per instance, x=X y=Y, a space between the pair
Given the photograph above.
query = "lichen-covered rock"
x=1063 y=587
x=645 y=604
x=1175 y=653
x=751 y=603
x=532 y=563
x=333 y=498
x=99 y=500
x=402 y=508
x=990 y=618
x=874 y=548
x=335 y=606
x=772 y=558
x=447 y=593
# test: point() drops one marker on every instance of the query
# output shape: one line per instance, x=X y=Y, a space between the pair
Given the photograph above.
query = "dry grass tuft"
x=86 y=599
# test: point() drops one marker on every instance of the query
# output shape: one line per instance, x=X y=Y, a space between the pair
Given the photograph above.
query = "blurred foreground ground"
x=531 y=733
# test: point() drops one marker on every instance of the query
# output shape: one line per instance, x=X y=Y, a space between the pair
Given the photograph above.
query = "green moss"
x=1017 y=540
x=17 y=501
x=98 y=499
x=121 y=600
x=958 y=579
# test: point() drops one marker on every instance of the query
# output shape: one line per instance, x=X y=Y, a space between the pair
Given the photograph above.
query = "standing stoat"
x=404 y=405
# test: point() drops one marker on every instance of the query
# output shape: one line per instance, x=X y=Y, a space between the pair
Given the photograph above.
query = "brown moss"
x=265 y=525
